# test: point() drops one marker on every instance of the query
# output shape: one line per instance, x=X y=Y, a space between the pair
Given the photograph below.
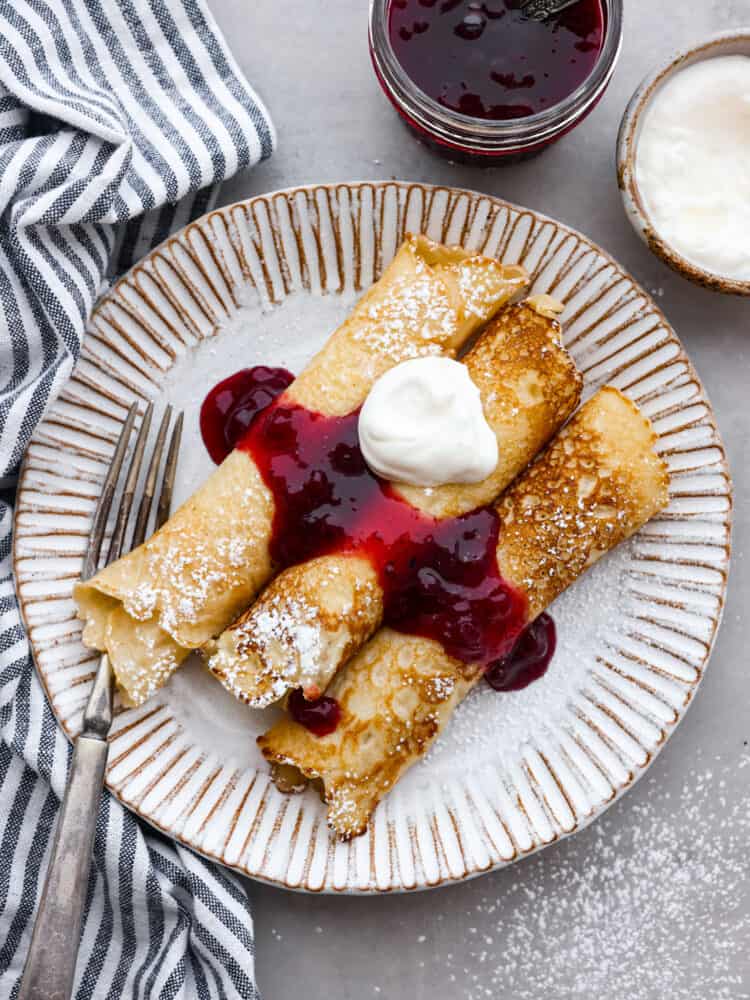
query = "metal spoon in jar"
x=540 y=10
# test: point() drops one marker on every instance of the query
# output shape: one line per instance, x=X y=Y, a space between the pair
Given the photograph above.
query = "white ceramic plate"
x=264 y=281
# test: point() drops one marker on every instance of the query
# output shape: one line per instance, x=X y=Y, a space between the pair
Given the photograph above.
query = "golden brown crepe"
x=598 y=482
x=194 y=576
x=314 y=616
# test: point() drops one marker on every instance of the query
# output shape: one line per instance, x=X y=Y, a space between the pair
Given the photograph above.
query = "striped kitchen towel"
x=117 y=122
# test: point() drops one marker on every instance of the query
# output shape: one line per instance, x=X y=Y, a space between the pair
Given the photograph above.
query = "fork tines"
x=118 y=541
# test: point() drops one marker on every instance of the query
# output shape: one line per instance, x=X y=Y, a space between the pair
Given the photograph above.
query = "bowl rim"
x=627 y=143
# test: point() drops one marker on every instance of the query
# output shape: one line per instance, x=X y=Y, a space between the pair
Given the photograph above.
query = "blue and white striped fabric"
x=117 y=122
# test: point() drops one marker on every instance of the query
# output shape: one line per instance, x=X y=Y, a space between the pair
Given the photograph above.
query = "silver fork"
x=51 y=961
x=540 y=10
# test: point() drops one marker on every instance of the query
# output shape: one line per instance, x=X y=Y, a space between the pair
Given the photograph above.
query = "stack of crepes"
x=313 y=616
x=598 y=482
x=192 y=579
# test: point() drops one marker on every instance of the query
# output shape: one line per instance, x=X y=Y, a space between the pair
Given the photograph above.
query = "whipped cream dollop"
x=423 y=424
x=693 y=164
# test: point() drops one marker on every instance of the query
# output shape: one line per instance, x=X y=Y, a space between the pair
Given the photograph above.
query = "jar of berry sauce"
x=481 y=81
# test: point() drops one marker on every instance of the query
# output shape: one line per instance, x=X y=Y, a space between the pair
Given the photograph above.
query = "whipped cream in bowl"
x=683 y=162
x=423 y=424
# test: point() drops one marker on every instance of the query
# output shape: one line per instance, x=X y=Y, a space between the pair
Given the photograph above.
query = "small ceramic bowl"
x=736 y=42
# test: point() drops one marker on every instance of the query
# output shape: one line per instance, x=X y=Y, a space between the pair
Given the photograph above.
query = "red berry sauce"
x=487 y=60
x=440 y=578
x=320 y=716
x=232 y=405
x=529 y=658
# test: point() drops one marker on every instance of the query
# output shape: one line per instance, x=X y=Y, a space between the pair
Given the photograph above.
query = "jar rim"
x=479 y=134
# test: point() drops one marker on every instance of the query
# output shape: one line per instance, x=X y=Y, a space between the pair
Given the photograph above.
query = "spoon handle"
x=540 y=10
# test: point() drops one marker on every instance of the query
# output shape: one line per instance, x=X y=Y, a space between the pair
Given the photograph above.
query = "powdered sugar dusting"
x=642 y=905
x=413 y=304
x=292 y=628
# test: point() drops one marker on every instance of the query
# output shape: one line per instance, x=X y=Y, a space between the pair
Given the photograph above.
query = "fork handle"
x=51 y=962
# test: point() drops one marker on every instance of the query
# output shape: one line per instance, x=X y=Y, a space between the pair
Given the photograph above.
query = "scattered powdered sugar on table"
x=649 y=902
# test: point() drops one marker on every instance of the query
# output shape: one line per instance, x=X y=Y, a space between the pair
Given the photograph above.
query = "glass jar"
x=462 y=138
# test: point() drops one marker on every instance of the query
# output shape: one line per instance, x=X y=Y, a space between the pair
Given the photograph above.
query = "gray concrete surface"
x=652 y=901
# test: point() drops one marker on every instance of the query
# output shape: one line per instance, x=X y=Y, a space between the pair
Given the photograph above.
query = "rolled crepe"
x=190 y=580
x=314 y=616
x=598 y=483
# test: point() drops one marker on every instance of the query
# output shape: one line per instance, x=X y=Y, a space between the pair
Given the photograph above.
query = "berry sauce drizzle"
x=320 y=716
x=487 y=60
x=440 y=578
x=232 y=405
x=529 y=658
